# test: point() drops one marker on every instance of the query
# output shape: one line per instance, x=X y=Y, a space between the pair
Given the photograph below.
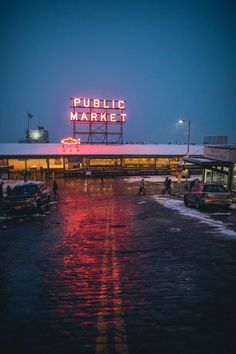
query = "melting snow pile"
x=178 y=205
x=155 y=179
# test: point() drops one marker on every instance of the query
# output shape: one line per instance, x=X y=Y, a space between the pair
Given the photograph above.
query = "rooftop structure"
x=215 y=139
x=36 y=136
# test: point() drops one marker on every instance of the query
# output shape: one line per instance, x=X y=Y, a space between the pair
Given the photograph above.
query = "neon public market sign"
x=92 y=110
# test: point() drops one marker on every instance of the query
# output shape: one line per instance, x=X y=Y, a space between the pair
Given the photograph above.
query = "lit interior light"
x=35 y=135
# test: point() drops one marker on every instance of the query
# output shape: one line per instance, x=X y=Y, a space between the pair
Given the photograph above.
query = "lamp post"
x=187 y=121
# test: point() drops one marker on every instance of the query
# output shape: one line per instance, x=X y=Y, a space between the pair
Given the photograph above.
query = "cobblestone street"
x=108 y=271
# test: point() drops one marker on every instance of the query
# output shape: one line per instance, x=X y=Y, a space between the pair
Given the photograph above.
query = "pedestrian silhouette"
x=165 y=181
x=55 y=188
x=167 y=185
x=142 y=188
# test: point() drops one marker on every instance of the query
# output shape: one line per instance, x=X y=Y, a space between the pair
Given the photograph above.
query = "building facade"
x=75 y=160
x=219 y=165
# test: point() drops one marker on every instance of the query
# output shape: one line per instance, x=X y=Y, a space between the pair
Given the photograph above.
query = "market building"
x=99 y=125
x=218 y=164
x=75 y=159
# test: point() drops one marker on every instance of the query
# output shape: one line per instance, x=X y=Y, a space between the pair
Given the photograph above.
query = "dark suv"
x=28 y=197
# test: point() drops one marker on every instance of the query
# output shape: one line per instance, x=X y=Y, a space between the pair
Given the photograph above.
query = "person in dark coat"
x=165 y=181
x=55 y=188
x=142 y=187
x=167 y=184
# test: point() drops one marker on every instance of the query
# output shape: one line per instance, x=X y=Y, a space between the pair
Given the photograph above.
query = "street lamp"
x=187 y=121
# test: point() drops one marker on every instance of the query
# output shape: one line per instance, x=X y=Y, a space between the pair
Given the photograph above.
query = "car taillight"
x=205 y=195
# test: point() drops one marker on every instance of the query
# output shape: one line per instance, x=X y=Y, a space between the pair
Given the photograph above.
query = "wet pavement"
x=108 y=271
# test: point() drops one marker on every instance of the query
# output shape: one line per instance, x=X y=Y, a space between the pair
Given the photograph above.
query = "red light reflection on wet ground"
x=96 y=219
x=105 y=268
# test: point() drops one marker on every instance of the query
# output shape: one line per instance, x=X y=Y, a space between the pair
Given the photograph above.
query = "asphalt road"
x=108 y=271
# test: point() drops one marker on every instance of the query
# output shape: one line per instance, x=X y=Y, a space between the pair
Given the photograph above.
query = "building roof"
x=204 y=161
x=221 y=152
x=18 y=150
x=223 y=146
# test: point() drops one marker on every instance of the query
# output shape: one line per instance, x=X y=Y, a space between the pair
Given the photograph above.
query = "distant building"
x=215 y=140
x=39 y=135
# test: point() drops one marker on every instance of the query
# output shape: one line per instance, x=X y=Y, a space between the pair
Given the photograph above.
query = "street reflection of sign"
x=93 y=110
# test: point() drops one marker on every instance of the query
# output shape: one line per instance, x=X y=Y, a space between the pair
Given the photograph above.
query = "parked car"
x=204 y=194
x=28 y=197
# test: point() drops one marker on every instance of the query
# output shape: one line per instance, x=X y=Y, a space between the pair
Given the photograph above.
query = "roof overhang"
x=206 y=162
x=95 y=150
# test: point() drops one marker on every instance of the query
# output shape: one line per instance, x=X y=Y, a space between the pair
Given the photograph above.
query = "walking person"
x=165 y=182
x=142 y=188
x=55 y=188
x=167 y=185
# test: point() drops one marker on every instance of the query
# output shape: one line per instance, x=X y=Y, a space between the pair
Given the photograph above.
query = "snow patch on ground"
x=219 y=213
x=155 y=179
x=178 y=205
x=37 y=215
x=175 y=229
x=2 y=218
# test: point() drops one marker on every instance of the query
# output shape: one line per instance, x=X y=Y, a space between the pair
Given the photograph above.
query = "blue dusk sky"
x=167 y=59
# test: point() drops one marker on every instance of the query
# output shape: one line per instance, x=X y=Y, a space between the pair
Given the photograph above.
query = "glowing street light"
x=187 y=121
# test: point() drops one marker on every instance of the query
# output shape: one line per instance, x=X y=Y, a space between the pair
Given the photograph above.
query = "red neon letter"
x=121 y=104
x=113 y=117
x=103 y=117
x=86 y=102
x=94 y=116
x=73 y=116
x=96 y=103
x=76 y=101
x=84 y=117
x=113 y=103
x=105 y=104
x=123 y=116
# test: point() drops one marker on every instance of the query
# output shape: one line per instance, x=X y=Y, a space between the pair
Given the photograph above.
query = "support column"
x=64 y=165
x=48 y=169
x=230 y=175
